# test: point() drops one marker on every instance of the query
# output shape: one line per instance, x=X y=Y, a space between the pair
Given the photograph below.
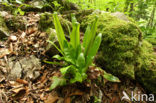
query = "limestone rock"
x=120 y=15
x=118 y=50
x=146 y=67
x=16 y=23
x=46 y=22
x=31 y=66
x=50 y=49
x=4 y=32
x=123 y=52
x=25 y=68
x=37 y=3
x=15 y=70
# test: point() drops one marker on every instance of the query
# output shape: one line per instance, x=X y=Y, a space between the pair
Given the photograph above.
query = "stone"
x=16 y=23
x=118 y=50
x=121 y=16
x=46 y=22
x=123 y=52
x=27 y=68
x=16 y=70
x=146 y=67
x=37 y=4
x=50 y=49
x=31 y=66
x=4 y=32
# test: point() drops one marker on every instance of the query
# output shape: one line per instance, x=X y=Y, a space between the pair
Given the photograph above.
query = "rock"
x=16 y=70
x=50 y=49
x=25 y=68
x=121 y=16
x=4 y=32
x=123 y=52
x=146 y=67
x=37 y=4
x=119 y=47
x=46 y=22
x=31 y=66
x=3 y=13
x=16 y=23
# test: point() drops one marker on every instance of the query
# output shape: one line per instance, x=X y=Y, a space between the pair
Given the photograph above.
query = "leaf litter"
x=22 y=48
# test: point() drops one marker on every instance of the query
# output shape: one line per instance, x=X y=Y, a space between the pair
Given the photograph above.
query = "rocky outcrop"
x=123 y=52
x=119 y=47
x=46 y=22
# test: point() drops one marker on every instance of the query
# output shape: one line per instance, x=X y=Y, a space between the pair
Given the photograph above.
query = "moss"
x=146 y=72
x=3 y=28
x=119 y=45
x=152 y=41
x=46 y=22
x=15 y=23
x=123 y=52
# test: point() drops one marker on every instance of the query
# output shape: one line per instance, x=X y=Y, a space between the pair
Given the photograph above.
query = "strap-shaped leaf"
x=81 y=60
x=56 y=47
x=75 y=35
x=77 y=78
x=91 y=36
x=65 y=69
x=73 y=18
x=111 y=77
x=93 y=50
x=57 y=82
x=85 y=39
x=59 y=31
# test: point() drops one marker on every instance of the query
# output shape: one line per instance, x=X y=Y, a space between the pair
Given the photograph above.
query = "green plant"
x=78 y=57
x=57 y=6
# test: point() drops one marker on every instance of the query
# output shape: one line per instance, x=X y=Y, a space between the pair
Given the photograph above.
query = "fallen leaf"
x=51 y=99
x=21 y=81
x=13 y=38
x=77 y=92
x=67 y=100
x=4 y=52
x=19 y=93
x=43 y=77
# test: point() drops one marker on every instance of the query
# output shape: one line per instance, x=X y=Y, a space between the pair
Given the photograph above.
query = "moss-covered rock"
x=51 y=49
x=16 y=23
x=146 y=71
x=152 y=40
x=119 y=47
x=123 y=52
x=46 y=21
x=3 y=28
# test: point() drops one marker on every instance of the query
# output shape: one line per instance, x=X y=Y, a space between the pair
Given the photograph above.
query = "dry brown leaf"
x=51 y=99
x=43 y=77
x=77 y=92
x=1 y=86
x=17 y=90
x=67 y=100
x=4 y=52
x=30 y=100
x=21 y=81
x=31 y=30
x=19 y=93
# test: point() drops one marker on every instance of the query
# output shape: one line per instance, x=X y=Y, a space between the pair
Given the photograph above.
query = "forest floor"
x=25 y=78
